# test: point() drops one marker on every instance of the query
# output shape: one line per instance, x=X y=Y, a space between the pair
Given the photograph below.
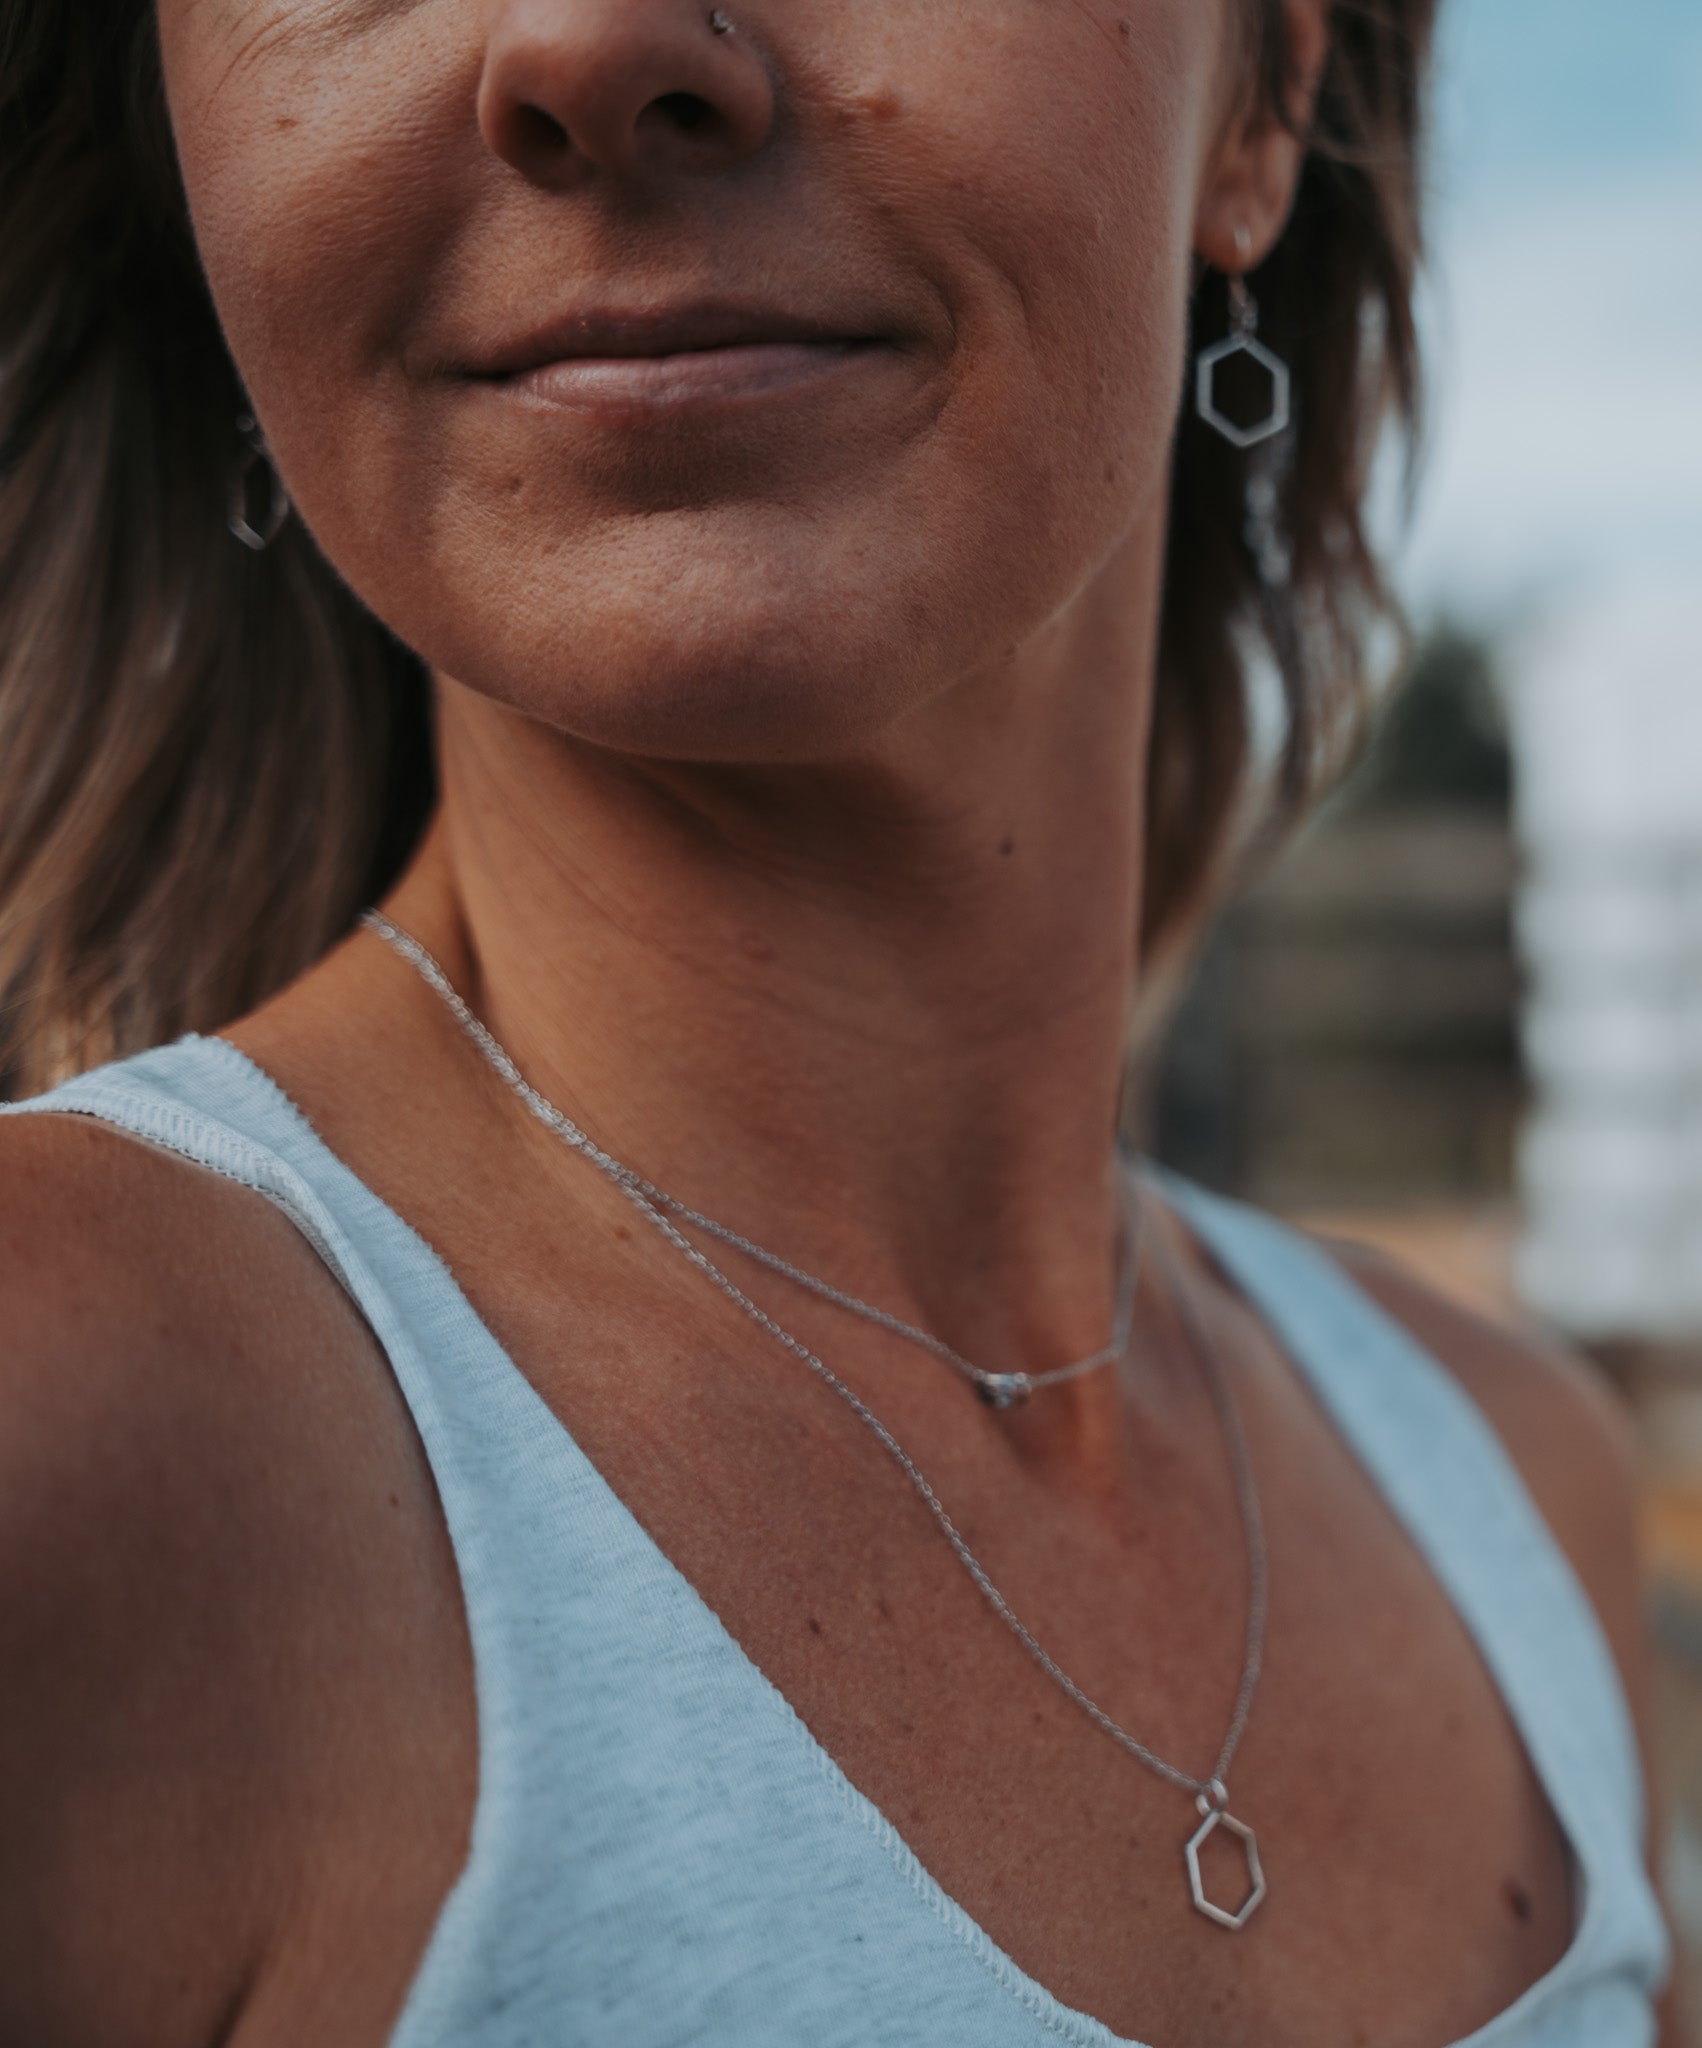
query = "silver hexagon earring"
x=256 y=528
x=1242 y=340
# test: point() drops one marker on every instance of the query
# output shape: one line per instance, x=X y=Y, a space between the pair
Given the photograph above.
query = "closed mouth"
x=667 y=335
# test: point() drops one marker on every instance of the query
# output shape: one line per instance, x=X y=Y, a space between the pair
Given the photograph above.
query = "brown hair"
x=210 y=760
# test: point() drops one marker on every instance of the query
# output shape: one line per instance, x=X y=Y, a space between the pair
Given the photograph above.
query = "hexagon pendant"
x=1218 y=1816
x=1276 y=372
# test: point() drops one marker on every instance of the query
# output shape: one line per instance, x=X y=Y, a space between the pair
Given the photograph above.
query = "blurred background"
x=1463 y=1017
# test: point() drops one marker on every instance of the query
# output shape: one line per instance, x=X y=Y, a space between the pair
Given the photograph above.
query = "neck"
x=871 y=1013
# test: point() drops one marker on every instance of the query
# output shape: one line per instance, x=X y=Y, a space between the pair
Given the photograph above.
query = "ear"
x=1250 y=185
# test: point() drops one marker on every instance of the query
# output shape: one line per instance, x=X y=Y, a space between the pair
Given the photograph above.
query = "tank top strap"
x=514 y=1486
x=1452 y=1485
x=477 y=1414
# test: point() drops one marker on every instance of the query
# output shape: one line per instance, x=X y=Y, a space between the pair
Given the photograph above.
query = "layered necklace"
x=672 y=1219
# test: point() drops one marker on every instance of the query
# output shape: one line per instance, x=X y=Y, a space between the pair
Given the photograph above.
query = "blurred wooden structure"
x=1350 y=1039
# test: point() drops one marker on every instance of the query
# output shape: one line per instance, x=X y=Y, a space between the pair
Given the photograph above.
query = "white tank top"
x=662 y=1854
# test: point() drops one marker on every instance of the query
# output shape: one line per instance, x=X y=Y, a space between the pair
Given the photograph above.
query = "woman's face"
x=707 y=394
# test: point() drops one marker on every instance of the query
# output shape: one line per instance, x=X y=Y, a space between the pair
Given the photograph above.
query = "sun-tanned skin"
x=790 y=836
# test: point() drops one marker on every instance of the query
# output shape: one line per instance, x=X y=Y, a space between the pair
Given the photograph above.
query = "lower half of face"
x=705 y=393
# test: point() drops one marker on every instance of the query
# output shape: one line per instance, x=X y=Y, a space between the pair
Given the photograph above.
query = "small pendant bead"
x=1004 y=1389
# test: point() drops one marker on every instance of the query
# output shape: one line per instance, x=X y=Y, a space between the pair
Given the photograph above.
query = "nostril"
x=613 y=85
x=538 y=132
x=685 y=110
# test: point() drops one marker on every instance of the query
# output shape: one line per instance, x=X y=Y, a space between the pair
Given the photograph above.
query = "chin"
x=695 y=645
x=721 y=682
x=735 y=705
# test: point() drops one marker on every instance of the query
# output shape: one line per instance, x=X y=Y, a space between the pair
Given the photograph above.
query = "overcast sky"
x=1566 y=317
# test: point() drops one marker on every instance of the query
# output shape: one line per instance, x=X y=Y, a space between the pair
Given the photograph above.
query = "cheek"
x=1043 y=167
x=1072 y=189
x=321 y=168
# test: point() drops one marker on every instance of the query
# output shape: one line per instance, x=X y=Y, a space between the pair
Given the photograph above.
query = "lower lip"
x=698 y=378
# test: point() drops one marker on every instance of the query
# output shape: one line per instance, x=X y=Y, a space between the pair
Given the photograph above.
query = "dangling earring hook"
x=1243 y=307
x=1242 y=341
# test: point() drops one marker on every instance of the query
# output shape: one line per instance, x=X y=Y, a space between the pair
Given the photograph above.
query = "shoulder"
x=126 y=1270
x=1565 y=1428
x=141 y=1517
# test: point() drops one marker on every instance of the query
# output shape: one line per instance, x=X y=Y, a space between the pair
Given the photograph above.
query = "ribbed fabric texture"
x=662 y=1854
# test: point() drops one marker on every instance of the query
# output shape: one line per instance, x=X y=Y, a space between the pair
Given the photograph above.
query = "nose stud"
x=719 y=24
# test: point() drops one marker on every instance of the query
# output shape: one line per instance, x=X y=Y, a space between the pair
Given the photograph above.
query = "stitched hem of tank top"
x=200 y=1141
x=1040 y=2004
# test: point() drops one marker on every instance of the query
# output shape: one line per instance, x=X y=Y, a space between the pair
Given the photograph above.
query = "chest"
x=808 y=1713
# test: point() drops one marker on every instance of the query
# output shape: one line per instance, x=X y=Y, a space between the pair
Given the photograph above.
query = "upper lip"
x=605 y=332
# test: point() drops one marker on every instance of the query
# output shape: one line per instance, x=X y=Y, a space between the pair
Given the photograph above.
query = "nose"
x=570 y=87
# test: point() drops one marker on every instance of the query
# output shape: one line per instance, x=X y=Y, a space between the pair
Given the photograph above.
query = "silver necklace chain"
x=662 y=1210
x=997 y=1389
